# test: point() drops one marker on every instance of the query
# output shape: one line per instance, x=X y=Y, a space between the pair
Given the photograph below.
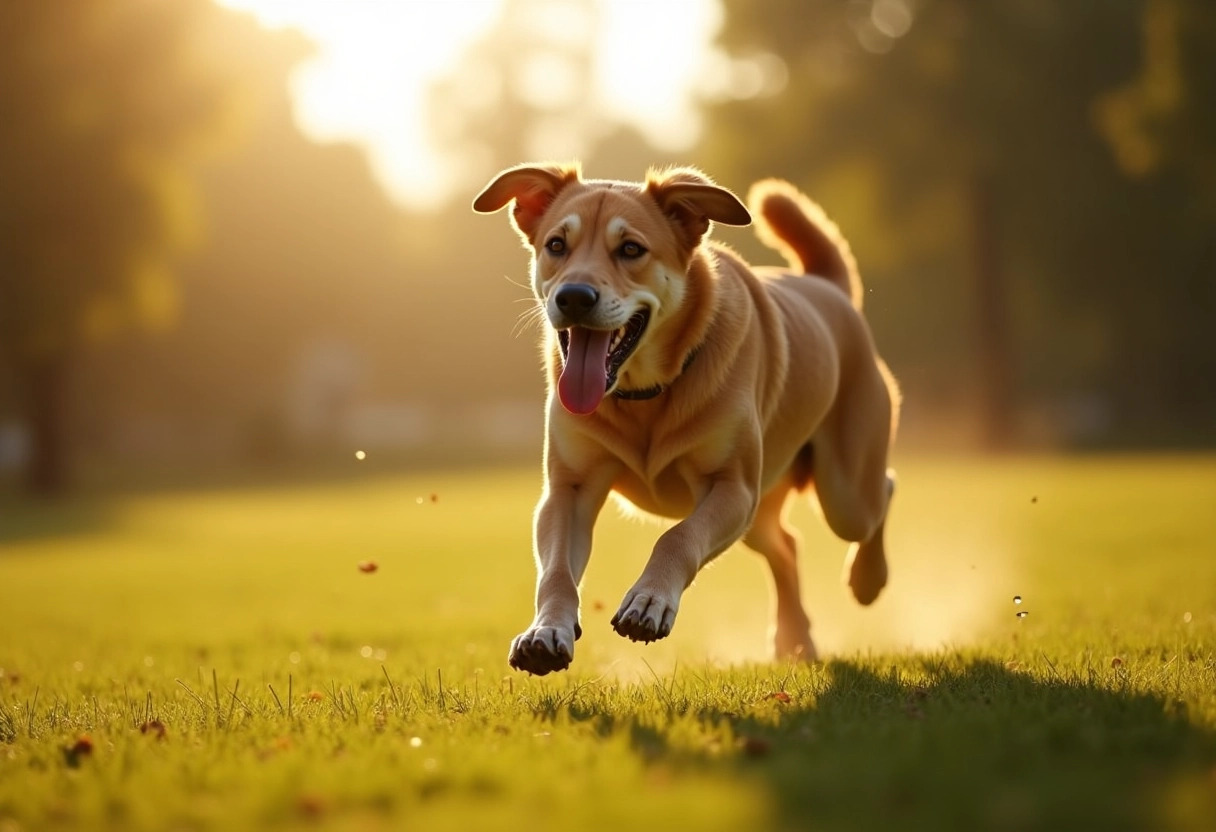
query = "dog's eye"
x=631 y=250
x=556 y=245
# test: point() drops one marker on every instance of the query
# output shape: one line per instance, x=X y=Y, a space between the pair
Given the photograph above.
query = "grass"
x=215 y=659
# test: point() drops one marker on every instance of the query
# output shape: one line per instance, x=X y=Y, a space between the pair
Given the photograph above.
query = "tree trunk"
x=995 y=356
x=45 y=383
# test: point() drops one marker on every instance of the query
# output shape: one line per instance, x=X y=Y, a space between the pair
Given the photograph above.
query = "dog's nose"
x=576 y=299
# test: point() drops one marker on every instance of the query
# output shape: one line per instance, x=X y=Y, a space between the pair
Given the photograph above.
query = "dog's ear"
x=691 y=201
x=533 y=188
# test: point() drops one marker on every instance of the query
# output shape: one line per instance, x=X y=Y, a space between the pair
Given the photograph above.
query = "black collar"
x=652 y=392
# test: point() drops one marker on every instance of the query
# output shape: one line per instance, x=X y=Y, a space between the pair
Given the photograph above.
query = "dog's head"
x=610 y=265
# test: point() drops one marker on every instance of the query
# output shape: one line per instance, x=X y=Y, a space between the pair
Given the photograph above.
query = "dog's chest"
x=662 y=468
x=663 y=475
x=668 y=495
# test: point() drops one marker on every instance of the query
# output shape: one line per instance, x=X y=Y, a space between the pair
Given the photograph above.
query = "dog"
x=698 y=389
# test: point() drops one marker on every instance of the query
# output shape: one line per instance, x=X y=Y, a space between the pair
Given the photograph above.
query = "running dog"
x=697 y=388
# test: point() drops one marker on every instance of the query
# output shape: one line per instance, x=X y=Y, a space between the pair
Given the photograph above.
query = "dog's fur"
x=746 y=386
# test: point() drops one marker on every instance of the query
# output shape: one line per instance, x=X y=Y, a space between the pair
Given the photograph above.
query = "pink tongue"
x=584 y=379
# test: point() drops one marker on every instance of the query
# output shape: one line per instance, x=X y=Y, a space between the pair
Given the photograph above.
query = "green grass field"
x=215 y=659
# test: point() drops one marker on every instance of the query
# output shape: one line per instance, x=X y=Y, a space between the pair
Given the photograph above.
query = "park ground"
x=331 y=654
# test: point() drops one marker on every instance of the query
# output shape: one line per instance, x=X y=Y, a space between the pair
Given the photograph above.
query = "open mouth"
x=621 y=344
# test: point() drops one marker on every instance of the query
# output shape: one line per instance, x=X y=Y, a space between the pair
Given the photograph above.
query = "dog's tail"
x=798 y=228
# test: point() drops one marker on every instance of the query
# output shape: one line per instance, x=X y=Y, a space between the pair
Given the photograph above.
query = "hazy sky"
x=368 y=82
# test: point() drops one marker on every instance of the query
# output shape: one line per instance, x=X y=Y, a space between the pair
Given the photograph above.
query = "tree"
x=1162 y=118
x=1161 y=128
x=959 y=144
x=104 y=105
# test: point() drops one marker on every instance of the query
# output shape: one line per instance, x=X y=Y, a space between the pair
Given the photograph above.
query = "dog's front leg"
x=564 y=520
x=721 y=518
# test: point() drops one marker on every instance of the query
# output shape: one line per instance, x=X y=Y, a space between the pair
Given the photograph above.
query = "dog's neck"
x=656 y=390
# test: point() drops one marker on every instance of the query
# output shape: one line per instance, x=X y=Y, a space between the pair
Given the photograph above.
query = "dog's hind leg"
x=853 y=483
x=865 y=565
x=772 y=538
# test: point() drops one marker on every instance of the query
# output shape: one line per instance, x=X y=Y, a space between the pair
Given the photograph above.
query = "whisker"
x=513 y=282
x=532 y=318
x=520 y=327
x=528 y=317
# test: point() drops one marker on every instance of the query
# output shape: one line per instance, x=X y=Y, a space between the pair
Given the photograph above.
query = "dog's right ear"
x=533 y=188
x=691 y=201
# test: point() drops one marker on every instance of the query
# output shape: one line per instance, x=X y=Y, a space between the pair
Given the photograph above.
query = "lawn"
x=217 y=659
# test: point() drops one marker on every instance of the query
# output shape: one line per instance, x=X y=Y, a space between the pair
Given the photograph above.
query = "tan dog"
x=695 y=388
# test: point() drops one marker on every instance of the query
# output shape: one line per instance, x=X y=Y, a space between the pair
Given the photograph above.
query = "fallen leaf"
x=155 y=727
x=83 y=747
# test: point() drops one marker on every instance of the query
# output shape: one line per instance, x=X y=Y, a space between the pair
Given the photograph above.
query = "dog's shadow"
x=974 y=746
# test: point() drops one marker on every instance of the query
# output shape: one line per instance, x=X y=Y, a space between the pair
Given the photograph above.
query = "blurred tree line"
x=1029 y=187
x=102 y=109
x=179 y=263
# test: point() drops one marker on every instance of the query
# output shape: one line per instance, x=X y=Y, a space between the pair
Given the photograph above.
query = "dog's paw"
x=644 y=616
x=541 y=650
x=794 y=644
x=865 y=571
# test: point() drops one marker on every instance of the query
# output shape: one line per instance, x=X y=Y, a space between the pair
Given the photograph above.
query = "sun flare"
x=367 y=83
x=375 y=62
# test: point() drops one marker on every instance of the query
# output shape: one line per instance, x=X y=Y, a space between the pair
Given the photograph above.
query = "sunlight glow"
x=649 y=57
x=369 y=80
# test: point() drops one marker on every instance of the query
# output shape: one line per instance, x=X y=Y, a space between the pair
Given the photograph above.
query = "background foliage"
x=186 y=279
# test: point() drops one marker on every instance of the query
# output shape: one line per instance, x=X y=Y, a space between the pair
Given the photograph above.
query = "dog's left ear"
x=533 y=188
x=691 y=200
